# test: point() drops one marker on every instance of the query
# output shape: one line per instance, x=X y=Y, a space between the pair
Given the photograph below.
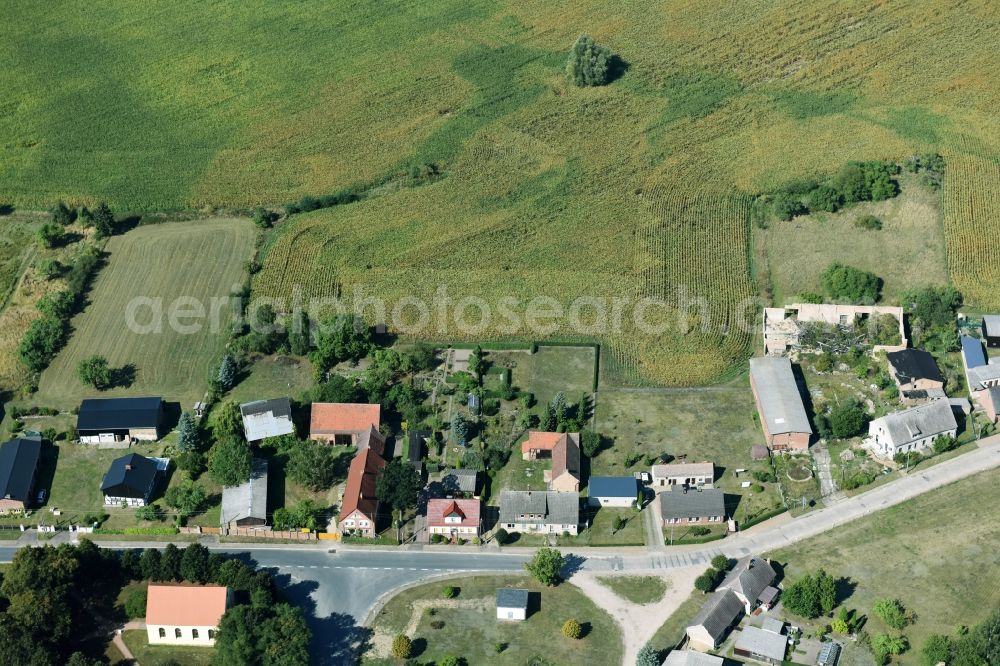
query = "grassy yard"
x=637 y=589
x=199 y=260
x=72 y=473
x=717 y=424
x=908 y=252
x=932 y=553
x=162 y=655
x=273 y=376
x=471 y=632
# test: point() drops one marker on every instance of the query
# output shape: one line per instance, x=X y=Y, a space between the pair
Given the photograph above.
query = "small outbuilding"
x=829 y=654
x=613 y=491
x=914 y=369
x=267 y=418
x=512 y=603
x=245 y=505
x=691 y=658
x=991 y=330
x=761 y=645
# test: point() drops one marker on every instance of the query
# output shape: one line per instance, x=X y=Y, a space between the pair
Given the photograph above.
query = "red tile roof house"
x=454 y=518
x=347 y=423
x=564 y=449
x=359 y=507
x=185 y=614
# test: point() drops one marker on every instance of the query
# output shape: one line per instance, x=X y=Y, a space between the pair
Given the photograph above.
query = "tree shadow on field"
x=6 y=209
x=124 y=376
x=617 y=67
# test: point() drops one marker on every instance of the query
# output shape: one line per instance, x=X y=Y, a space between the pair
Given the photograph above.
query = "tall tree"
x=229 y=461
x=398 y=485
x=188 y=438
x=187 y=498
x=588 y=63
x=312 y=464
x=546 y=566
x=194 y=564
x=104 y=220
x=94 y=371
x=227 y=372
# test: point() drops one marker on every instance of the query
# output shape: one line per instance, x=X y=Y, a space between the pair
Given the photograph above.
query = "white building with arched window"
x=185 y=614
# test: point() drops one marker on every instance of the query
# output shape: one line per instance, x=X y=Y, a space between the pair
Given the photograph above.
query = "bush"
x=647 y=656
x=700 y=531
x=851 y=284
x=869 y=222
x=891 y=612
x=135 y=604
x=847 y=419
x=449 y=592
x=572 y=629
x=502 y=536
x=884 y=645
x=437 y=624
x=825 y=198
x=402 y=647
x=450 y=660
x=786 y=207
x=588 y=63
x=945 y=443
x=499 y=647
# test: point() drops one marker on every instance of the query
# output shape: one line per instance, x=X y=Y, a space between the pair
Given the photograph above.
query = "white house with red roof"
x=185 y=614
x=453 y=518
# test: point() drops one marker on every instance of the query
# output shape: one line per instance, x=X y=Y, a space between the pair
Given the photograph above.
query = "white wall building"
x=185 y=614
x=913 y=429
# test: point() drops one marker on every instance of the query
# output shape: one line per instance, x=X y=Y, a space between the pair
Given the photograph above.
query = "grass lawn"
x=908 y=252
x=273 y=376
x=73 y=473
x=471 y=632
x=154 y=655
x=637 y=589
x=933 y=553
x=566 y=369
x=717 y=424
x=199 y=260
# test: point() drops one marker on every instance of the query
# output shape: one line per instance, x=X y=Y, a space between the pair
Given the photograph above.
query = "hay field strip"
x=200 y=259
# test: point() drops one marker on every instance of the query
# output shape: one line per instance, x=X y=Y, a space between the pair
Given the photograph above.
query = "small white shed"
x=512 y=603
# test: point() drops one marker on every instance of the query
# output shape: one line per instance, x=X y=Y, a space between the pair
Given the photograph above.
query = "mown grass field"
x=932 y=553
x=197 y=260
x=639 y=188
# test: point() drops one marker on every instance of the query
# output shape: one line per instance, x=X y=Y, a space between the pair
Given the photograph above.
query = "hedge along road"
x=339 y=587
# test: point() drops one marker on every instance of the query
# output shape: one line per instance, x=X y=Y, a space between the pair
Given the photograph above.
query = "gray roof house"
x=692 y=506
x=267 y=418
x=544 y=511
x=913 y=429
x=691 y=658
x=245 y=505
x=761 y=645
x=713 y=621
x=748 y=579
x=779 y=403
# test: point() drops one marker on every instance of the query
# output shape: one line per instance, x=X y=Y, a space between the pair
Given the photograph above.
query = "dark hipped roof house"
x=115 y=420
x=130 y=479
x=18 y=465
x=914 y=369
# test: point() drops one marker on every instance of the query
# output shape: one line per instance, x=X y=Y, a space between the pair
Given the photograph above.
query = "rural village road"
x=341 y=587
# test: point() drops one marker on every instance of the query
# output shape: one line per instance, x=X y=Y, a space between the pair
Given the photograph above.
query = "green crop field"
x=199 y=260
x=639 y=188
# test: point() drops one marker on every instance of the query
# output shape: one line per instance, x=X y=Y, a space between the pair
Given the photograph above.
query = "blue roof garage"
x=612 y=491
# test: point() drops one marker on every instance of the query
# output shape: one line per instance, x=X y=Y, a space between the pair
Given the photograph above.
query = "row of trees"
x=854 y=182
x=47 y=334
